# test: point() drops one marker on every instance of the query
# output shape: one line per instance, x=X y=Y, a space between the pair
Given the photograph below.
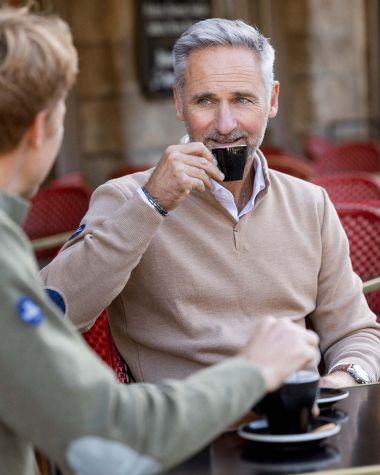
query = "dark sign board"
x=160 y=23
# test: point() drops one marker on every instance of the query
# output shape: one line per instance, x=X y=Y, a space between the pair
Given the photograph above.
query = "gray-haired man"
x=188 y=264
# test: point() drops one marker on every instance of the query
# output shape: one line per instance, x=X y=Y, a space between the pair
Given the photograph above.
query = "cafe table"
x=354 y=450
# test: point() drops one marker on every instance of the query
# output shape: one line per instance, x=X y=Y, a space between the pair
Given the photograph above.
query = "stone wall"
x=321 y=63
x=118 y=124
x=338 y=68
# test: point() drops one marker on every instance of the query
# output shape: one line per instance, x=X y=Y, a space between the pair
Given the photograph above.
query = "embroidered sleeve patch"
x=29 y=312
x=57 y=298
x=77 y=232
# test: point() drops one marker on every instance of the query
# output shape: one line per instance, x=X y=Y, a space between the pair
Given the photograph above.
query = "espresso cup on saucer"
x=231 y=161
x=289 y=409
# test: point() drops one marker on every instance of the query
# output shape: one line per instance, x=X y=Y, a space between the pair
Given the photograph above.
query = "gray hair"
x=221 y=32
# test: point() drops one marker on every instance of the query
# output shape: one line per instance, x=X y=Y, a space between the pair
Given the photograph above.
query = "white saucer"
x=257 y=431
x=330 y=395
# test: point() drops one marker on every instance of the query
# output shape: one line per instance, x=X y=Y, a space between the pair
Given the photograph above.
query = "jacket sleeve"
x=57 y=394
x=95 y=264
x=347 y=328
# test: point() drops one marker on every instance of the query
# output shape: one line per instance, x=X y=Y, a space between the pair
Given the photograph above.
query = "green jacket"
x=58 y=396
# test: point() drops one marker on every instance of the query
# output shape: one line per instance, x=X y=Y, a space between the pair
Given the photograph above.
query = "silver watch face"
x=359 y=374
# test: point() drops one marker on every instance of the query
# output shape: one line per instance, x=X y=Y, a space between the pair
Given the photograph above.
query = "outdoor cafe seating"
x=56 y=212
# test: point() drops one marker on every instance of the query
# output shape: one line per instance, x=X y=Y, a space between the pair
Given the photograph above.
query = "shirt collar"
x=14 y=206
x=225 y=197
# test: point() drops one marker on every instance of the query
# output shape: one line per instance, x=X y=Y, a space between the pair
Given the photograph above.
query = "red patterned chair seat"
x=362 y=226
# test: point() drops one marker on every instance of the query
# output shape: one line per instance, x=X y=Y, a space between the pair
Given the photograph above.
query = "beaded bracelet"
x=154 y=202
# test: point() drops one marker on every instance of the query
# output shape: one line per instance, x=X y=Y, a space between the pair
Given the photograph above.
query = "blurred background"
x=121 y=111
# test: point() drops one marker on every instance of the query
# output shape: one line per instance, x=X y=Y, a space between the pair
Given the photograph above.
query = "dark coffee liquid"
x=231 y=161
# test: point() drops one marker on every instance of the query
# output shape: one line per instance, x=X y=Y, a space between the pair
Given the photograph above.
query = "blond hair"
x=38 y=65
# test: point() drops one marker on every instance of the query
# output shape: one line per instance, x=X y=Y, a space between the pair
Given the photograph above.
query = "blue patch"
x=77 y=232
x=57 y=298
x=29 y=312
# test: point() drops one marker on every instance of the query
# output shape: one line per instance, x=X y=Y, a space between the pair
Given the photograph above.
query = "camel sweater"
x=186 y=291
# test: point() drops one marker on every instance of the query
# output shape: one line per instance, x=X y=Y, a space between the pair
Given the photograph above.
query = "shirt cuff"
x=143 y=197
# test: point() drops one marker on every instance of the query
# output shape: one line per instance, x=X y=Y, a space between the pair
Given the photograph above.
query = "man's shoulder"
x=132 y=181
x=115 y=191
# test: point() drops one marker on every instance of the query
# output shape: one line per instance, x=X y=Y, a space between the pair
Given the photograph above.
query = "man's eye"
x=242 y=100
x=203 y=101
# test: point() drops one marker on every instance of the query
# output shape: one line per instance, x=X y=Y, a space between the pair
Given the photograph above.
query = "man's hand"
x=280 y=347
x=337 y=379
x=181 y=169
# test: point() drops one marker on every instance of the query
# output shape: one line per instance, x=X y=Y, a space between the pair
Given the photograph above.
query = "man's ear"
x=273 y=107
x=36 y=132
x=178 y=104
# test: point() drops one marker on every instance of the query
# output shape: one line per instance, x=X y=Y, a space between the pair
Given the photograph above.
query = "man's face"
x=224 y=100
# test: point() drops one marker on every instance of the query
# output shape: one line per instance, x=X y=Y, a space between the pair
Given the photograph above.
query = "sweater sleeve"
x=58 y=395
x=95 y=264
x=347 y=328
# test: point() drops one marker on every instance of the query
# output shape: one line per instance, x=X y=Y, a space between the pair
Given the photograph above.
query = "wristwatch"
x=355 y=371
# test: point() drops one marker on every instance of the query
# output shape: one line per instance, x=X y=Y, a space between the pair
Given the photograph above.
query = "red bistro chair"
x=354 y=157
x=70 y=179
x=127 y=170
x=100 y=339
x=362 y=226
x=349 y=188
x=315 y=147
x=55 y=211
x=291 y=165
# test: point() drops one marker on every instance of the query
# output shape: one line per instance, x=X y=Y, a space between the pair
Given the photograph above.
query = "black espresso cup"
x=289 y=409
x=231 y=161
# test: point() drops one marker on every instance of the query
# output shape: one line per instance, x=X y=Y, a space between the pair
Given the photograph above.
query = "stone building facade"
x=326 y=60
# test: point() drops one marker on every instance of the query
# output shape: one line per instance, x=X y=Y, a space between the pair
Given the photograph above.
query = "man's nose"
x=225 y=121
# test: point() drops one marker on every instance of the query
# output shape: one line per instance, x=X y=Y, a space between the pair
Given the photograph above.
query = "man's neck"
x=242 y=190
x=10 y=172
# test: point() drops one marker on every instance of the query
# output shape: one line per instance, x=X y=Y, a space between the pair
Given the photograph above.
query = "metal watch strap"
x=355 y=371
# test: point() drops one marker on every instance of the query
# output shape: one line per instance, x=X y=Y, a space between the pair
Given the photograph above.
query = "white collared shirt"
x=225 y=197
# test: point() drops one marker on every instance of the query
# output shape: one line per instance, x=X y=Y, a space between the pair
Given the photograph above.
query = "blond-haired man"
x=55 y=393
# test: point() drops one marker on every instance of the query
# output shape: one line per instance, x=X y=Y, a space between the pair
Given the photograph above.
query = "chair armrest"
x=371 y=285
x=48 y=242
